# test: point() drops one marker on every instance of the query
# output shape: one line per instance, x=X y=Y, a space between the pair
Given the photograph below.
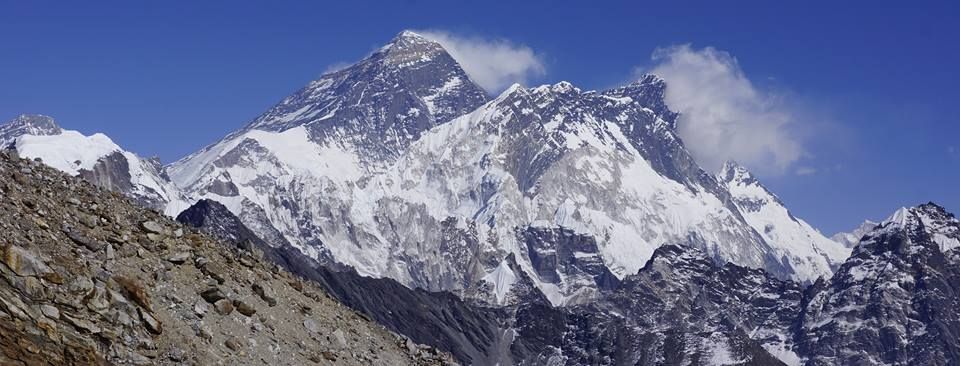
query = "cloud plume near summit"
x=494 y=64
x=724 y=116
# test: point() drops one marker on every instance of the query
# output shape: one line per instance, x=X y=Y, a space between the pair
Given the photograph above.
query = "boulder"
x=265 y=293
x=152 y=227
x=23 y=262
x=244 y=308
x=223 y=306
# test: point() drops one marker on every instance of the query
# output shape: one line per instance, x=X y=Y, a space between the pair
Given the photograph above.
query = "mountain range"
x=563 y=226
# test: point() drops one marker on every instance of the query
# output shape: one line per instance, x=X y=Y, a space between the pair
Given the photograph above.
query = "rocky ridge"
x=89 y=277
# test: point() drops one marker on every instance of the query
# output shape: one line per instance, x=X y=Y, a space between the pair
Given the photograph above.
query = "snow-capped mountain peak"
x=928 y=219
x=732 y=172
x=412 y=44
x=796 y=243
x=366 y=114
x=294 y=170
x=426 y=86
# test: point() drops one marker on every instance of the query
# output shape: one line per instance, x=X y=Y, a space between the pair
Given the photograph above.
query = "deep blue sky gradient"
x=166 y=78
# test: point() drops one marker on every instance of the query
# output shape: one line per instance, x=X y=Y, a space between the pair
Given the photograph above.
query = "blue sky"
x=870 y=88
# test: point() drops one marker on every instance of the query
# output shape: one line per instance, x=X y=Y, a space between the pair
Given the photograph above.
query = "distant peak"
x=927 y=211
x=899 y=217
x=409 y=34
x=564 y=87
x=927 y=226
x=933 y=208
x=929 y=217
x=407 y=39
x=35 y=120
x=27 y=124
x=513 y=89
x=650 y=91
x=410 y=48
x=734 y=172
x=650 y=79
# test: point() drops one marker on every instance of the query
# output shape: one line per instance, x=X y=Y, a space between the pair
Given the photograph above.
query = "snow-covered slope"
x=555 y=157
x=96 y=158
x=806 y=250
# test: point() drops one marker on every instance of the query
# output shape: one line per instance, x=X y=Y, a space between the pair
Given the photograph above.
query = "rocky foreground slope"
x=88 y=277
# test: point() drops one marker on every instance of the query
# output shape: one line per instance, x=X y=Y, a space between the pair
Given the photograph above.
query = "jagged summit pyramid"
x=382 y=102
x=370 y=110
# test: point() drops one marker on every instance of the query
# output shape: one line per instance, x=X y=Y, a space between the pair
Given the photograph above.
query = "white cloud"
x=494 y=64
x=723 y=114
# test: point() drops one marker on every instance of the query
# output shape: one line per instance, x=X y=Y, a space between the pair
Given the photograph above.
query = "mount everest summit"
x=400 y=166
x=581 y=207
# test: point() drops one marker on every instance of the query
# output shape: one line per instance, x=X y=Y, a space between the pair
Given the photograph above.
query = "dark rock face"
x=556 y=251
x=382 y=103
x=895 y=301
x=681 y=308
x=111 y=172
x=215 y=219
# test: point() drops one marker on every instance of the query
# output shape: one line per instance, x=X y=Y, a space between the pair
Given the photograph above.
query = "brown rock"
x=81 y=324
x=246 y=261
x=265 y=293
x=223 y=306
x=89 y=221
x=152 y=227
x=329 y=356
x=244 y=308
x=179 y=258
x=50 y=311
x=212 y=295
x=24 y=263
x=134 y=290
x=233 y=344
x=86 y=241
x=152 y=324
